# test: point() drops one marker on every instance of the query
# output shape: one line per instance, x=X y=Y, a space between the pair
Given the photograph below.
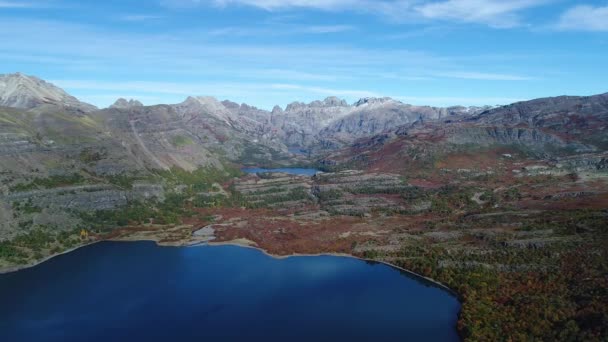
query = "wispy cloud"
x=279 y=30
x=148 y=91
x=285 y=74
x=139 y=17
x=584 y=18
x=483 y=76
x=172 y=65
x=328 y=28
x=286 y=4
x=326 y=91
x=494 y=13
x=157 y=92
x=188 y=89
x=462 y=101
x=20 y=4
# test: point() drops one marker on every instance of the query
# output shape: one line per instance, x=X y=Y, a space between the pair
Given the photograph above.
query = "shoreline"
x=243 y=243
x=344 y=255
x=43 y=260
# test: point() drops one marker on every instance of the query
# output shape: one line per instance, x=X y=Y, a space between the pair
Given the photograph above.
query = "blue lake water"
x=290 y=170
x=115 y=291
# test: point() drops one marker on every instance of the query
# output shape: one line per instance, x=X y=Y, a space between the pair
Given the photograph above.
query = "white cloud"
x=584 y=18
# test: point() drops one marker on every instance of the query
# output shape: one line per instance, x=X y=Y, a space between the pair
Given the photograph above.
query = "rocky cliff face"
x=300 y=122
x=534 y=139
x=22 y=91
x=583 y=118
x=371 y=116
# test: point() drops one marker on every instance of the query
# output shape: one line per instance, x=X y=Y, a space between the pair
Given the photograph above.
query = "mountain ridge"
x=328 y=123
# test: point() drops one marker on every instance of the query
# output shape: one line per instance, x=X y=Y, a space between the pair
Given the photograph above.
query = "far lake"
x=114 y=291
x=290 y=170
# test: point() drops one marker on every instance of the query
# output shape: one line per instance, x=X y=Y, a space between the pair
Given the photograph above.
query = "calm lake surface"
x=290 y=170
x=114 y=291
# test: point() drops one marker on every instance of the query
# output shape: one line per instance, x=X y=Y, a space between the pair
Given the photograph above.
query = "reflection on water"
x=139 y=291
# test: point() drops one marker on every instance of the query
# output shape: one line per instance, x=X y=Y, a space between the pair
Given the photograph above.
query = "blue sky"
x=267 y=52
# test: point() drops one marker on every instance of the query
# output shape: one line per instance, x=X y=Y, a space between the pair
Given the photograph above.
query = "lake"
x=113 y=291
x=290 y=170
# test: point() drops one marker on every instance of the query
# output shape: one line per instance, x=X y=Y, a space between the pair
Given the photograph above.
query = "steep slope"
x=242 y=120
x=371 y=116
x=542 y=129
x=187 y=136
x=333 y=123
x=27 y=92
x=583 y=118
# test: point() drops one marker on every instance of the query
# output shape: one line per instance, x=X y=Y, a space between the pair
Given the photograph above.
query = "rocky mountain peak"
x=277 y=110
x=329 y=102
x=122 y=103
x=333 y=101
x=205 y=105
x=294 y=106
x=231 y=105
x=373 y=101
x=27 y=92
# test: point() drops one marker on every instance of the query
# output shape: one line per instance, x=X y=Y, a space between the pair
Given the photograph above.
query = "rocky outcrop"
x=499 y=135
x=58 y=208
x=87 y=197
x=584 y=162
x=357 y=193
x=276 y=190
